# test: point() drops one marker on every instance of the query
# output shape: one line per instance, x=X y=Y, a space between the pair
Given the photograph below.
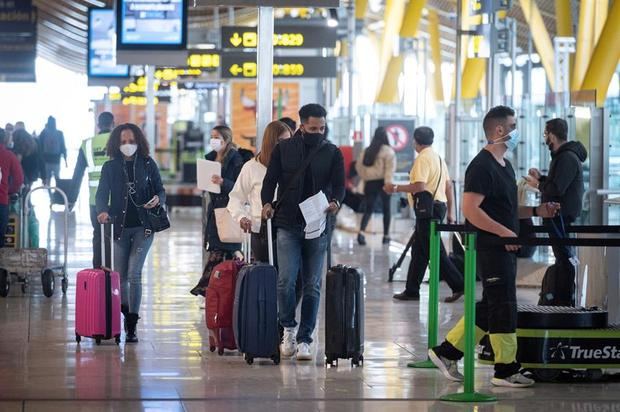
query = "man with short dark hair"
x=292 y=124
x=564 y=185
x=92 y=156
x=490 y=206
x=429 y=173
x=11 y=179
x=301 y=167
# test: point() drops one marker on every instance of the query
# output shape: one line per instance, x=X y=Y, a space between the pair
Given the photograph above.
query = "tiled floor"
x=43 y=369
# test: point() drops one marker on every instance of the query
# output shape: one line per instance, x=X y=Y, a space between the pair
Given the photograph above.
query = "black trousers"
x=372 y=190
x=420 y=254
x=97 y=240
x=4 y=222
x=564 y=295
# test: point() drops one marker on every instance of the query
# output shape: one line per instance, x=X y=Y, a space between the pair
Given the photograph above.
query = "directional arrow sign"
x=236 y=40
x=236 y=70
x=243 y=66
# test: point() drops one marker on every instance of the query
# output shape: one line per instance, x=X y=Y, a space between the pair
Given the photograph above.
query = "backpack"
x=556 y=289
x=52 y=144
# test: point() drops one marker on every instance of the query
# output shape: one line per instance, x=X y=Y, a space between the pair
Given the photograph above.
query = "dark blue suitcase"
x=344 y=315
x=255 y=313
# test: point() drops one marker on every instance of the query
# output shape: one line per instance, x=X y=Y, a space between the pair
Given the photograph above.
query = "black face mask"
x=549 y=144
x=312 y=139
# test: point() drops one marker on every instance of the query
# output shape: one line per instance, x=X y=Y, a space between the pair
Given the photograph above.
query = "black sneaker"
x=405 y=296
x=386 y=240
x=361 y=239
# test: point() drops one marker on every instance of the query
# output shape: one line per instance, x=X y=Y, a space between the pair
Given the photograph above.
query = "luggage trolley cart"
x=23 y=261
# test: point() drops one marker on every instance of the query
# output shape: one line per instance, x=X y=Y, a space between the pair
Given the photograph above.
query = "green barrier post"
x=469 y=395
x=433 y=295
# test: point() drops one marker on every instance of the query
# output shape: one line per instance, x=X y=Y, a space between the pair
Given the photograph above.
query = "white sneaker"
x=288 y=342
x=515 y=381
x=448 y=367
x=304 y=352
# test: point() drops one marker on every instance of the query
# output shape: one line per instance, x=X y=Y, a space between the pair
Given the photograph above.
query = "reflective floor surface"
x=42 y=368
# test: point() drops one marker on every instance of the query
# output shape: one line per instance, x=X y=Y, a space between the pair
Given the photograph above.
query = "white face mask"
x=216 y=144
x=129 y=149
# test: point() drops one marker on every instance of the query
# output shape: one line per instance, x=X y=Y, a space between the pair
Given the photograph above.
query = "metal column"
x=264 y=79
x=150 y=107
x=350 y=65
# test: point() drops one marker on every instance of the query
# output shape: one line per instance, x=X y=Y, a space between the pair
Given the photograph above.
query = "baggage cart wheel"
x=249 y=359
x=546 y=375
x=64 y=284
x=212 y=348
x=48 y=281
x=5 y=283
x=356 y=360
x=78 y=338
x=98 y=341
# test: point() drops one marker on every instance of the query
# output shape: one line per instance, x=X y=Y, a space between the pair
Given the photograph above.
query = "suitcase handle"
x=270 y=242
x=103 y=256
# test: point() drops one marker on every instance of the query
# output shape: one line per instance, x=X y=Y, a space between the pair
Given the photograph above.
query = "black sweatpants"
x=372 y=190
x=420 y=254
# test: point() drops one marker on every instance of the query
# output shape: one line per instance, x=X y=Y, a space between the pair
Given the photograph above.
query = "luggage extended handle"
x=270 y=242
x=103 y=256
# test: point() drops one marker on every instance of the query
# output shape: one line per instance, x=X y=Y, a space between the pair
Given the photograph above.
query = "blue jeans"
x=129 y=255
x=295 y=253
x=52 y=169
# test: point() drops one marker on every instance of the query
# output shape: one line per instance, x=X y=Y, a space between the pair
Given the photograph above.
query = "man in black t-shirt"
x=490 y=206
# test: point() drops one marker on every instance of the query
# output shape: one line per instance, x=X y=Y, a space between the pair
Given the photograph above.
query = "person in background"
x=296 y=248
x=11 y=180
x=130 y=184
x=376 y=166
x=247 y=190
x=26 y=148
x=20 y=125
x=52 y=142
x=564 y=185
x=490 y=206
x=224 y=152
x=429 y=173
x=292 y=124
x=91 y=157
x=8 y=130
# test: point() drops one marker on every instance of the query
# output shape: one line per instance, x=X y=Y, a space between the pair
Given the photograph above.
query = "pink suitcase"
x=98 y=302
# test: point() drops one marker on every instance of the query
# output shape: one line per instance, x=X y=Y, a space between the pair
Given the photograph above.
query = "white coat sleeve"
x=238 y=198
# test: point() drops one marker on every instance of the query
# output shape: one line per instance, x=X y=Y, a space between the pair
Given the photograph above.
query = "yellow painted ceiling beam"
x=585 y=40
x=601 y=8
x=393 y=18
x=389 y=88
x=433 y=20
x=360 y=9
x=473 y=73
x=541 y=38
x=411 y=21
x=564 y=19
x=605 y=57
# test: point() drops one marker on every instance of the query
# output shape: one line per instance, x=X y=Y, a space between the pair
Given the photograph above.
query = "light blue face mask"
x=513 y=140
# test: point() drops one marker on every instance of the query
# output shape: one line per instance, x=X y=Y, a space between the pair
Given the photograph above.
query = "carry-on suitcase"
x=219 y=305
x=98 y=301
x=344 y=315
x=255 y=314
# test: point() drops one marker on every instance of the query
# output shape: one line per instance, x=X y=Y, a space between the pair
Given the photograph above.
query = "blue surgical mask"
x=513 y=141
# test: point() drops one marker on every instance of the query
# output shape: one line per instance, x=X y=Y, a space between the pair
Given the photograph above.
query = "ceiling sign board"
x=244 y=66
x=272 y=3
x=285 y=37
x=18 y=41
x=152 y=24
x=204 y=60
x=102 y=45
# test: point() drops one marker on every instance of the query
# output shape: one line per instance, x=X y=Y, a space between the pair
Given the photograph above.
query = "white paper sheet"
x=205 y=169
x=313 y=210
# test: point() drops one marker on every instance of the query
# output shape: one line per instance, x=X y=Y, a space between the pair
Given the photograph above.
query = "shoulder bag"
x=423 y=201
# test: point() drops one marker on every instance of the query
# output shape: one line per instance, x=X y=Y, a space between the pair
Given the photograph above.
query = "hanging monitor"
x=102 y=45
x=151 y=24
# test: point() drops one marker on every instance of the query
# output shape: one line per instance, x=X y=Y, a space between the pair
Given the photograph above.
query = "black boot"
x=132 y=322
x=124 y=311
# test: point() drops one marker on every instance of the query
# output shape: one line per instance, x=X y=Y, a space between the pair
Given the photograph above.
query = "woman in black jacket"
x=130 y=184
x=224 y=152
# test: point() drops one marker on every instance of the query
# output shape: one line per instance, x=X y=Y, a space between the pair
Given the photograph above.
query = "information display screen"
x=152 y=24
x=102 y=45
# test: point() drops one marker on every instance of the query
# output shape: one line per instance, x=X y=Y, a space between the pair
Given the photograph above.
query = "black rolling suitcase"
x=255 y=311
x=344 y=315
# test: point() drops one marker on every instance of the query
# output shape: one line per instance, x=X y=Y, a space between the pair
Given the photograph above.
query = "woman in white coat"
x=244 y=203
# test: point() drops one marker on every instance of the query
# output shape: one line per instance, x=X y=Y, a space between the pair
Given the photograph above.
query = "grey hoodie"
x=564 y=184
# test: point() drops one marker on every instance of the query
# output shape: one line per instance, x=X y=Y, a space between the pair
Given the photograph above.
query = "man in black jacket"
x=563 y=185
x=296 y=249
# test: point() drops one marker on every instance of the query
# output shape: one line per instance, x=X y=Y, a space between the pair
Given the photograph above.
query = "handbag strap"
x=440 y=176
x=298 y=173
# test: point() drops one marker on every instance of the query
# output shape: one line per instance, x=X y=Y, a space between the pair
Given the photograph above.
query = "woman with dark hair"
x=130 y=184
x=224 y=152
x=375 y=167
x=245 y=205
